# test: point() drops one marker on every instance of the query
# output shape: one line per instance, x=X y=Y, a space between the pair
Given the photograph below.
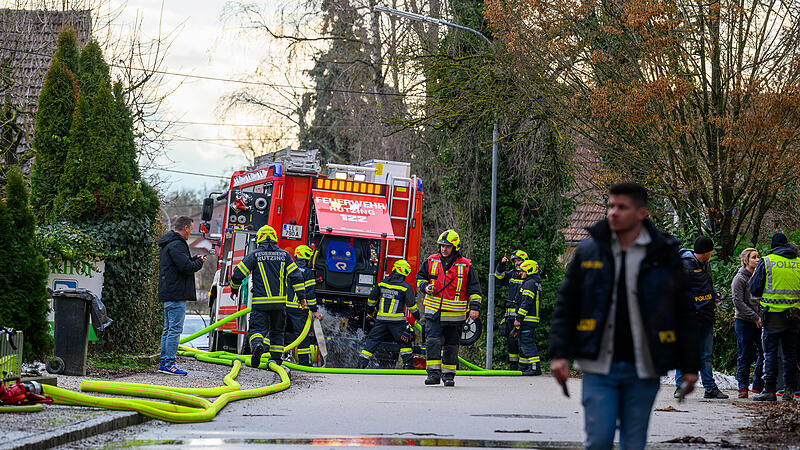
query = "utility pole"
x=495 y=137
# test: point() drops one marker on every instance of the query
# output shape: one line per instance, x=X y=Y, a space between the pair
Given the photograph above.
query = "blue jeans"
x=174 y=312
x=619 y=397
x=748 y=350
x=706 y=335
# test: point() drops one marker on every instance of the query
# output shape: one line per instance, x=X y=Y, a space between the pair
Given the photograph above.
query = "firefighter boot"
x=362 y=362
x=434 y=377
x=513 y=365
x=449 y=379
x=533 y=370
x=523 y=367
x=258 y=350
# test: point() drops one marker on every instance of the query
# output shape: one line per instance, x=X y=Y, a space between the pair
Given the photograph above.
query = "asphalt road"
x=387 y=411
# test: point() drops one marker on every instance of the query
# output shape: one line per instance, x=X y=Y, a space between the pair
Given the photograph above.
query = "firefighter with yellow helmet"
x=389 y=300
x=527 y=318
x=296 y=314
x=452 y=295
x=513 y=278
x=273 y=271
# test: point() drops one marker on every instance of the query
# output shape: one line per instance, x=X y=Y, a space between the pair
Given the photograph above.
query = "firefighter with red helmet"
x=527 y=318
x=296 y=314
x=390 y=299
x=452 y=295
x=513 y=278
x=273 y=271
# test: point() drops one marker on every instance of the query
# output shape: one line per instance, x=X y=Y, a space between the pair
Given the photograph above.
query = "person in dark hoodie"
x=777 y=281
x=176 y=268
x=747 y=325
x=624 y=313
x=704 y=297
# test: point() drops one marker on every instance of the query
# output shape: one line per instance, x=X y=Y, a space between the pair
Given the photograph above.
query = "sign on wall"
x=68 y=275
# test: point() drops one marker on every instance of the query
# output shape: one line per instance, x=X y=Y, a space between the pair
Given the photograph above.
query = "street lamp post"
x=495 y=137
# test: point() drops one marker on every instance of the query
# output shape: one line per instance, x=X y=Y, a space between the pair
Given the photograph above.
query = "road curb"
x=112 y=421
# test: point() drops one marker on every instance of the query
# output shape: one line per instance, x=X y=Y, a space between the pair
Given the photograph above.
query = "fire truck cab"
x=359 y=219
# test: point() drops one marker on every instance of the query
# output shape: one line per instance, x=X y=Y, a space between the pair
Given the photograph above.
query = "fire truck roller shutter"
x=355 y=215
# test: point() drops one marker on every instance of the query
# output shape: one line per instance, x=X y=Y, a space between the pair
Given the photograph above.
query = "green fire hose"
x=185 y=405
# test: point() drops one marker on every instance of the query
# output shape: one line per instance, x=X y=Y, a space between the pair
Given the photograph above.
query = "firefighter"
x=512 y=278
x=273 y=271
x=296 y=315
x=451 y=289
x=527 y=318
x=395 y=295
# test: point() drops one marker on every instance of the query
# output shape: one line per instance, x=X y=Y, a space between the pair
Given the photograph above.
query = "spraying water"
x=344 y=344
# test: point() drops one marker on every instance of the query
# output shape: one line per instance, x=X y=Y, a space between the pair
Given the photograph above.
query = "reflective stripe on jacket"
x=782 y=285
x=455 y=288
x=395 y=294
x=528 y=301
x=309 y=287
x=273 y=271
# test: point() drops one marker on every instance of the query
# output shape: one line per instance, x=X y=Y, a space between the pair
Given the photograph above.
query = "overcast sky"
x=202 y=47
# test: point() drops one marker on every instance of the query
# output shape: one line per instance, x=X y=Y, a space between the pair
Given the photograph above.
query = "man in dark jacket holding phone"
x=176 y=268
x=704 y=298
x=623 y=312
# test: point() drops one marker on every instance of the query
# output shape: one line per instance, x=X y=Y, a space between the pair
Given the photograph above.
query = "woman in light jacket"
x=747 y=324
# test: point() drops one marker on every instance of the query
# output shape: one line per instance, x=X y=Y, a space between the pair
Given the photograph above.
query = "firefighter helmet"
x=266 y=232
x=529 y=266
x=303 y=252
x=519 y=254
x=450 y=237
x=402 y=267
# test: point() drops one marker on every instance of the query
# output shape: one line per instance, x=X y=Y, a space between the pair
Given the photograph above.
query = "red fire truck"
x=360 y=219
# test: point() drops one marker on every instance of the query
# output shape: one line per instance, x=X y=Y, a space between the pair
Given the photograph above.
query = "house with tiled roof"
x=587 y=195
x=28 y=41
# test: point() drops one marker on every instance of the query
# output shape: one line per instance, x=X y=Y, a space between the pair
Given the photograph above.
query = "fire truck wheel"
x=55 y=365
x=471 y=331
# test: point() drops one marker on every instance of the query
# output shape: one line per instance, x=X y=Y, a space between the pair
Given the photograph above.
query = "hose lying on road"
x=185 y=405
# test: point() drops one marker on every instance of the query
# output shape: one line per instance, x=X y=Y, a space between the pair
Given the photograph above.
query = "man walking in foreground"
x=176 y=268
x=623 y=312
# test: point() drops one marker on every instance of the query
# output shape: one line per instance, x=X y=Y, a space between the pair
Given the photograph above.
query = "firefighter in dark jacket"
x=526 y=318
x=273 y=271
x=777 y=281
x=512 y=278
x=451 y=289
x=296 y=314
x=704 y=298
x=392 y=296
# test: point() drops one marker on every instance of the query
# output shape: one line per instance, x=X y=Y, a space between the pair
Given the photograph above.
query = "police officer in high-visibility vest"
x=273 y=271
x=527 y=318
x=513 y=278
x=296 y=314
x=777 y=281
x=451 y=289
x=392 y=296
